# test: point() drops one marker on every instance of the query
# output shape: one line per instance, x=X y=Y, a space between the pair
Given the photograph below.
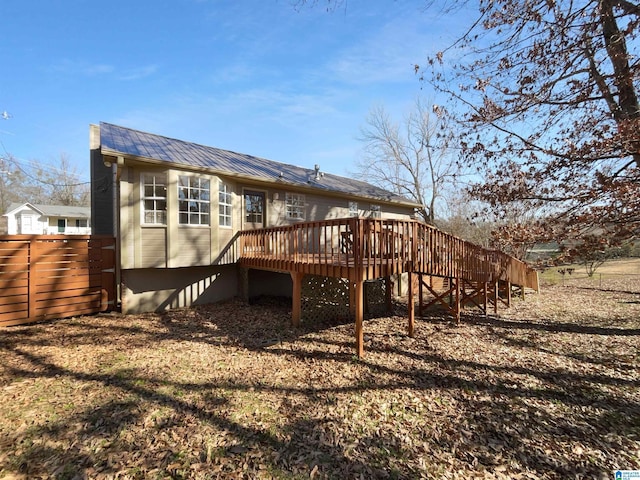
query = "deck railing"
x=367 y=248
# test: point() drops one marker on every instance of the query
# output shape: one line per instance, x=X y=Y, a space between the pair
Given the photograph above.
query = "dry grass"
x=548 y=389
x=607 y=275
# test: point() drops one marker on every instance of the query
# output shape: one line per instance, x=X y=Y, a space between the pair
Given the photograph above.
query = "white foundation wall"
x=159 y=289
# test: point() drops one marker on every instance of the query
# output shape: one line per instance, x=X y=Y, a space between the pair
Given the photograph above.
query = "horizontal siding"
x=195 y=247
x=327 y=207
x=175 y=246
x=228 y=251
x=153 y=251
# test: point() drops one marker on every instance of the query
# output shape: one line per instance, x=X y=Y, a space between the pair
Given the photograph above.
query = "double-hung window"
x=353 y=209
x=154 y=199
x=225 y=204
x=376 y=212
x=294 y=206
x=193 y=200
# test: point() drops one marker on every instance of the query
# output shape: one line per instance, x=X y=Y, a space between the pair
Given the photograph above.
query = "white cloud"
x=87 y=69
x=387 y=55
x=137 y=73
x=74 y=67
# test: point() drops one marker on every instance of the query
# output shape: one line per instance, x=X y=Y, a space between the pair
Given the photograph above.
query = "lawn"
x=549 y=388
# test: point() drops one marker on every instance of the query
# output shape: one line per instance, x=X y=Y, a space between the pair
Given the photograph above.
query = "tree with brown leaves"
x=548 y=94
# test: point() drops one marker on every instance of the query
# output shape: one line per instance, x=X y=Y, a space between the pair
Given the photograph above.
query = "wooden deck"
x=360 y=249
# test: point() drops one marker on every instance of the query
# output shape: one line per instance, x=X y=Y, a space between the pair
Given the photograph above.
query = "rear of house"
x=176 y=207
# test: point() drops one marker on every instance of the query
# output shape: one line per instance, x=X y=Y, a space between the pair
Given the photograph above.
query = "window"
x=294 y=206
x=224 y=204
x=62 y=225
x=353 y=209
x=193 y=200
x=254 y=208
x=81 y=223
x=154 y=199
x=375 y=211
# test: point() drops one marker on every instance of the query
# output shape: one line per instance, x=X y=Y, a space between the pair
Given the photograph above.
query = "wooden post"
x=352 y=299
x=420 y=294
x=359 y=287
x=457 y=299
x=411 y=306
x=485 y=298
x=508 y=293
x=296 y=311
x=496 y=295
x=33 y=275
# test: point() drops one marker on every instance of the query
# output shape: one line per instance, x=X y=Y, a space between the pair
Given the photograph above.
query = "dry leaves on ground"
x=549 y=388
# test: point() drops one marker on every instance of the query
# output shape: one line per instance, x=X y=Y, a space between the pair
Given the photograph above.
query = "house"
x=31 y=219
x=177 y=207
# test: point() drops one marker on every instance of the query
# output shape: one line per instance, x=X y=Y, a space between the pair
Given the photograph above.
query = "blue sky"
x=254 y=76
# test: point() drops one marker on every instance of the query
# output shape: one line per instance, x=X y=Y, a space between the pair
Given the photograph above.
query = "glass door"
x=254 y=209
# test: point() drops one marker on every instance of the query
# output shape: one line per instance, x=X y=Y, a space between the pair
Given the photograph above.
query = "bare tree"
x=66 y=187
x=12 y=183
x=410 y=158
x=548 y=91
x=462 y=218
x=41 y=184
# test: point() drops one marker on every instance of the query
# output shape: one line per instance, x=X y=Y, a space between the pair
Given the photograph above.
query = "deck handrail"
x=373 y=246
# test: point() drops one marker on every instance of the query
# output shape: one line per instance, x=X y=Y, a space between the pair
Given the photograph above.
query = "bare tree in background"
x=462 y=218
x=410 y=158
x=37 y=183
x=66 y=188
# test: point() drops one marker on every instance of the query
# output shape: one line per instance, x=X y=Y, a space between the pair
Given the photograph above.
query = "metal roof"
x=116 y=140
x=54 y=210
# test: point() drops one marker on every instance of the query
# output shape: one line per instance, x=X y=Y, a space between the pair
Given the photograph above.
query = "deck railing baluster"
x=372 y=248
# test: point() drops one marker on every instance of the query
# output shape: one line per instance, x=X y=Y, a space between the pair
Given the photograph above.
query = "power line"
x=43 y=167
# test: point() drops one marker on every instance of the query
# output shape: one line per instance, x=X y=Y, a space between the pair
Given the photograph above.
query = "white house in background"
x=29 y=219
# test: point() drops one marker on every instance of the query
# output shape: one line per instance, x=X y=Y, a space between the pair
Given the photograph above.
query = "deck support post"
x=243 y=284
x=420 y=294
x=496 y=296
x=352 y=299
x=451 y=291
x=410 y=304
x=457 y=307
x=508 y=293
x=296 y=310
x=358 y=288
x=485 y=295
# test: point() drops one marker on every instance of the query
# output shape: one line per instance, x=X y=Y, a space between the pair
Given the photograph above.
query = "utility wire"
x=48 y=169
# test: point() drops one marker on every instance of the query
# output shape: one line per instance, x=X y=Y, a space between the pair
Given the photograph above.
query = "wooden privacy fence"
x=55 y=276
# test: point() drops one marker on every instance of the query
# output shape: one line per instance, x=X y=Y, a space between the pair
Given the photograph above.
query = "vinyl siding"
x=195 y=246
x=154 y=251
x=177 y=246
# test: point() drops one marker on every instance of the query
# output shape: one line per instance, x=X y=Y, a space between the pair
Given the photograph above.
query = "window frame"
x=154 y=198
x=353 y=209
x=376 y=210
x=192 y=200
x=299 y=207
x=228 y=193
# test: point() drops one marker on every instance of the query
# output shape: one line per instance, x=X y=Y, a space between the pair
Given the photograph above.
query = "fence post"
x=33 y=255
